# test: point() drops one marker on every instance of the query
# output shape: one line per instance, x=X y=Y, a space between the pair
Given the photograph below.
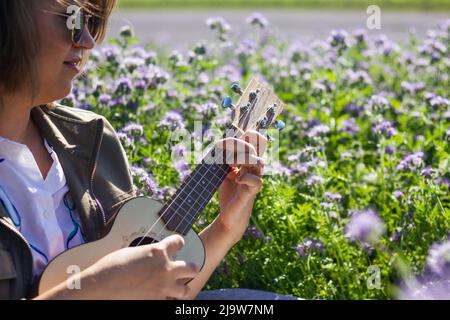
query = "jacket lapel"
x=75 y=143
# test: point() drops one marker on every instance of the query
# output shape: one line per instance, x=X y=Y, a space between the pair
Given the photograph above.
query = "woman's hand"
x=238 y=192
x=144 y=272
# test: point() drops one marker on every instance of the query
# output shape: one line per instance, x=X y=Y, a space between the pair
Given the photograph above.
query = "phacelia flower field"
x=357 y=205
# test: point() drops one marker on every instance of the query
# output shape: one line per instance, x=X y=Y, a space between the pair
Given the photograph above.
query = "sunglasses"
x=76 y=23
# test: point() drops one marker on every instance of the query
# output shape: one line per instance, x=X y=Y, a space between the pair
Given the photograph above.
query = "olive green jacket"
x=99 y=181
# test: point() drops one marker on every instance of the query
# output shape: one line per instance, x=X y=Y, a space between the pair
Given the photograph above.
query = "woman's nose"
x=87 y=41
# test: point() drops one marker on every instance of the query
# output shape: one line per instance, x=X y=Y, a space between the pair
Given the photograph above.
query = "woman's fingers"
x=183 y=269
x=239 y=151
x=250 y=180
x=172 y=244
x=257 y=140
x=179 y=291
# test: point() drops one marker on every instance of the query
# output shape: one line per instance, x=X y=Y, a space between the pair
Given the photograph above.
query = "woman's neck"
x=15 y=120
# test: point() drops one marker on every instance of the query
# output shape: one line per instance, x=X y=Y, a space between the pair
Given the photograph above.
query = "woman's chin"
x=61 y=90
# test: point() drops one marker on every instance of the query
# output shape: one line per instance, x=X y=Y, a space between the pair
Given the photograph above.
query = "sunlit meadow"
x=358 y=205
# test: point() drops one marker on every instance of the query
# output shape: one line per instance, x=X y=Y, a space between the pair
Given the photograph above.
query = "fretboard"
x=185 y=206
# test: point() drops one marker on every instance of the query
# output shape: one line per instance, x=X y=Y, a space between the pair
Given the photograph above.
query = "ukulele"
x=143 y=220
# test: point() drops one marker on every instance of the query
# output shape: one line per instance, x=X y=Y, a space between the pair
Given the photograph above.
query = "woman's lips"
x=73 y=65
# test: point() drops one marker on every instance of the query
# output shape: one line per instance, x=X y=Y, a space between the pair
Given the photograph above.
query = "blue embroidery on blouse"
x=18 y=221
x=71 y=206
x=40 y=252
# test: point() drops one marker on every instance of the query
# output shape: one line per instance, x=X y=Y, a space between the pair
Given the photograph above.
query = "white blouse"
x=41 y=210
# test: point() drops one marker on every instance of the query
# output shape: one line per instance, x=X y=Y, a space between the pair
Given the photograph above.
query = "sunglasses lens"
x=77 y=32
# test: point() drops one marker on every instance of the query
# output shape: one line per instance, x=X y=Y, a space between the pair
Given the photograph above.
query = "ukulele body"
x=132 y=222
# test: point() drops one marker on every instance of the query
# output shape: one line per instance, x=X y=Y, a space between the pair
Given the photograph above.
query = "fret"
x=174 y=221
x=193 y=196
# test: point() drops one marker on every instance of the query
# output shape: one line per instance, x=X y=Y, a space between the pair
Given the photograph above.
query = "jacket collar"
x=65 y=133
x=77 y=142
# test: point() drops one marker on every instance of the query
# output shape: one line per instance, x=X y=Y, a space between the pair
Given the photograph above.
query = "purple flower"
x=183 y=169
x=350 y=126
x=301 y=168
x=425 y=288
x=378 y=103
x=360 y=36
x=439 y=102
x=339 y=39
x=112 y=53
x=352 y=109
x=126 y=140
x=396 y=235
x=308 y=246
x=218 y=23
x=389 y=150
x=179 y=151
x=138 y=173
x=357 y=77
x=365 y=226
x=398 y=194
x=104 y=99
x=252 y=231
x=385 y=128
x=277 y=168
x=438 y=260
x=257 y=19
x=318 y=131
x=172 y=119
x=411 y=162
x=412 y=88
x=333 y=196
x=205 y=108
x=428 y=172
x=126 y=32
x=129 y=64
x=443 y=181
x=432 y=48
x=314 y=180
x=133 y=129
x=297 y=51
x=435 y=284
x=124 y=86
x=246 y=48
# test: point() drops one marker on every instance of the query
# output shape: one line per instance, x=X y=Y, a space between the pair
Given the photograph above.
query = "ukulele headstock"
x=257 y=108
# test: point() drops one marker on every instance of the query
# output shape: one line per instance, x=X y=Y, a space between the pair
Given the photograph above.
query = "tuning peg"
x=236 y=89
x=253 y=95
x=227 y=102
x=245 y=108
x=279 y=124
x=261 y=124
x=270 y=111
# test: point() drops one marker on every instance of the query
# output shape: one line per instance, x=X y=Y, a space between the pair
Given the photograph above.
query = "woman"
x=64 y=174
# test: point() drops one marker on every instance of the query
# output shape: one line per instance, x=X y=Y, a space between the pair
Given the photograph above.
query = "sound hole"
x=142 y=241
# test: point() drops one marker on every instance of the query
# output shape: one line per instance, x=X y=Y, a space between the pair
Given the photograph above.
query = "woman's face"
x=58 y=60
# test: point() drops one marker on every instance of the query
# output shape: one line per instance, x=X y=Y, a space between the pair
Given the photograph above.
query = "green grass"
x=319 y=4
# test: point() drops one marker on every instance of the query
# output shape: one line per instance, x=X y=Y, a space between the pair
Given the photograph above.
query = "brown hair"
x=18 y=38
